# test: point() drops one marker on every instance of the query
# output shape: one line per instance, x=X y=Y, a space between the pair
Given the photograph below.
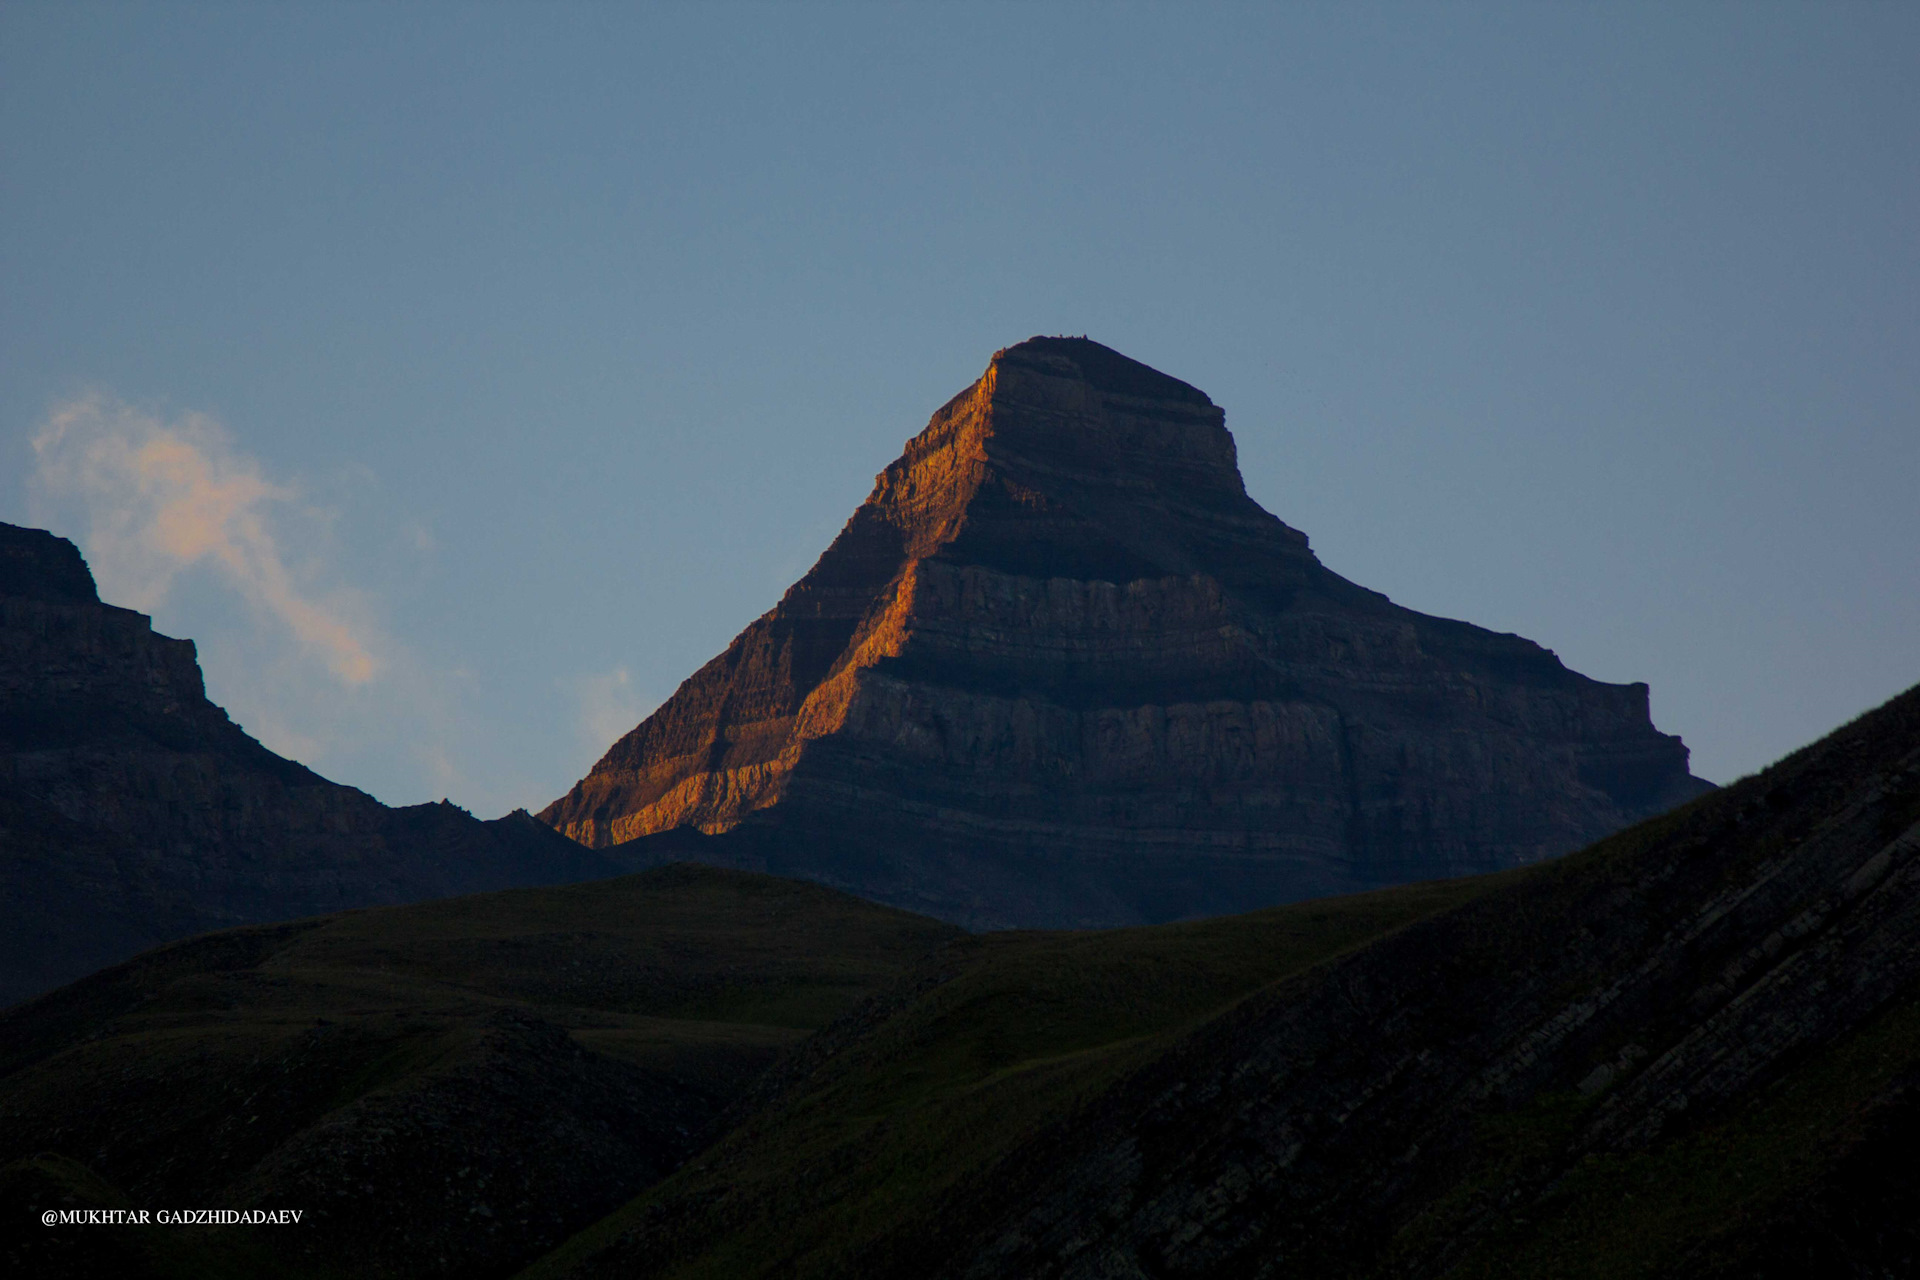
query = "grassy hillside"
x=445 y=1088
x=868 y=1136
x=1691 y=1049
x=455 y=1087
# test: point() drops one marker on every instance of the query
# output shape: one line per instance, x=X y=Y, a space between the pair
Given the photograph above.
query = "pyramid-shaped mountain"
x=1060 y=670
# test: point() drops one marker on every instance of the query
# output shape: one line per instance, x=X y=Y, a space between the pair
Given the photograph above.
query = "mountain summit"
x=1060 y=670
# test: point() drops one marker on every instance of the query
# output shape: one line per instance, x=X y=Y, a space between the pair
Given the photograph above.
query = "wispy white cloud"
x=159 y=497
x=179 y=520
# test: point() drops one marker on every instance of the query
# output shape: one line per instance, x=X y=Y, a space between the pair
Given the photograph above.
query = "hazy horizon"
x=461 y=378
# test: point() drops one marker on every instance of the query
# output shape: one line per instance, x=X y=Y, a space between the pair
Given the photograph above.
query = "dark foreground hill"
x=133 y=811
x=443 y=1090
x=1059 y=670
x=1693 y=1049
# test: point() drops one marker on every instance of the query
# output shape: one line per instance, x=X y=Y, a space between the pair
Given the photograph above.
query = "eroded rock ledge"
x=1059 y=669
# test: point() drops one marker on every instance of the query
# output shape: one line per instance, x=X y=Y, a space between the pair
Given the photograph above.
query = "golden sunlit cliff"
x=1059 y=669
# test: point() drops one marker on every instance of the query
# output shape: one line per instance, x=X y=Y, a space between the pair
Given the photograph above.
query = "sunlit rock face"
x=1060 y=670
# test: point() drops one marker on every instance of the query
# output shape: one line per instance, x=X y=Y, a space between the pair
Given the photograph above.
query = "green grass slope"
x=860 y=1143
x=1692 y=1049
x=444 y=1089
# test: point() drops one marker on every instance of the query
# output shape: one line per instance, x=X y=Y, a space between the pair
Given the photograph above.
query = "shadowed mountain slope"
x=444 y=1089
x=1060 y=670
x=1692 y=1049
x=133 y=811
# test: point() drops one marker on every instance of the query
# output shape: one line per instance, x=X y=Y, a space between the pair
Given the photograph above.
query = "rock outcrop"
x=1060 y=670
x=134 y=812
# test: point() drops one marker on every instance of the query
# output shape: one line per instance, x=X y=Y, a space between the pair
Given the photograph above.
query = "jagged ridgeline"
x=133 y=811
x=1060 y=670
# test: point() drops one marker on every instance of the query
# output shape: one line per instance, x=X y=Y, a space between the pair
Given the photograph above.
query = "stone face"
x=1060 y=670
x=134 y=812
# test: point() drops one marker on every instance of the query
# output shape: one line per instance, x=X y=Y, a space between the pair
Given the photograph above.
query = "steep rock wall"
x=1059 y=669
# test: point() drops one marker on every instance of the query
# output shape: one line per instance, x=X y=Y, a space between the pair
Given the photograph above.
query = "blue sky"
x=462 y=377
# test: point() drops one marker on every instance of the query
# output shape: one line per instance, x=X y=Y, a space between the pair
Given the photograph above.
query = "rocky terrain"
x=133 y=811
x=1690 y=1050
x=1060 y=670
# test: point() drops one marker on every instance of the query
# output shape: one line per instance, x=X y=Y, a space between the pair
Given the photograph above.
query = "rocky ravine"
x=1060 y=670
x=133 y=811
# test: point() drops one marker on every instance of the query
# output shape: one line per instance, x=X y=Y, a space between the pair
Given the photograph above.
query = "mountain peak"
x=1060 y=669
x=1101 y=367
x=39 y=565
x=1066 y=459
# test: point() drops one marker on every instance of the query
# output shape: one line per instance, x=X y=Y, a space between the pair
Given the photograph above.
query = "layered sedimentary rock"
x=133 y=811
x=1059 y=669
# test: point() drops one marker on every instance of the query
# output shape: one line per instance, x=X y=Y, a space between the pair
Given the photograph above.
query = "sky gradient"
x=461 y=378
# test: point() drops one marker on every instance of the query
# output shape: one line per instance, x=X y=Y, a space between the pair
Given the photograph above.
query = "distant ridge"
x=1060 y=670
x=134 y=812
